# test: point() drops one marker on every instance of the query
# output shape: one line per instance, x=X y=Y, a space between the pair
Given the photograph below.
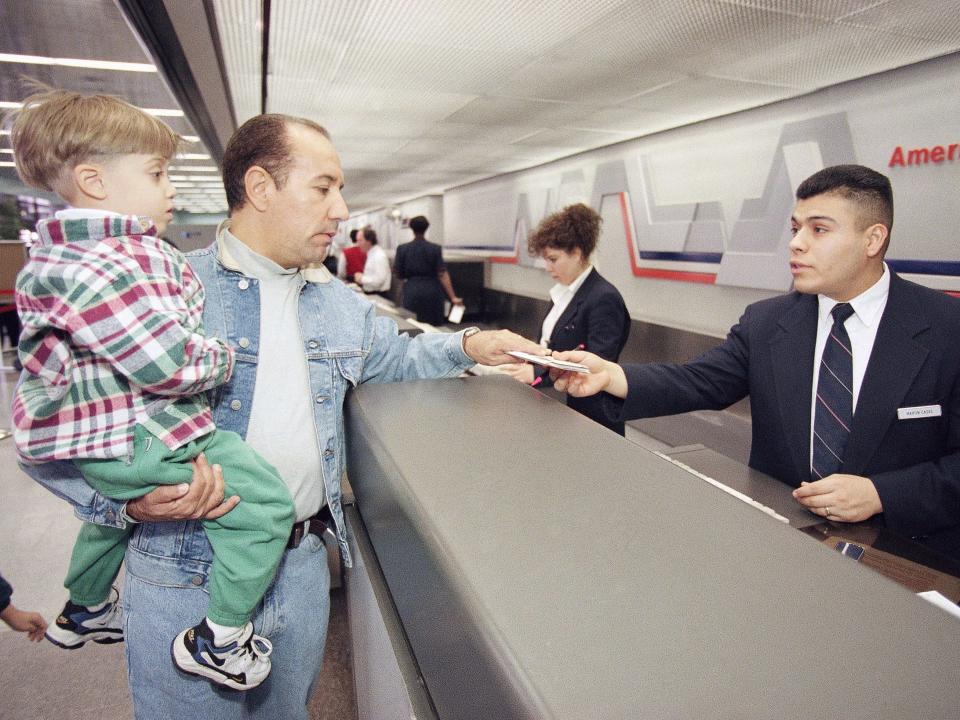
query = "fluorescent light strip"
x=195 y=168
x=76 y=62
x=156 y=112
x=4 y=163
x=193 y=156
x=5 y=151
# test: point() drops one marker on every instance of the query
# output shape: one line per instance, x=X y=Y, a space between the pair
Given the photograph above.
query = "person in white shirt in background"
x=375 y=277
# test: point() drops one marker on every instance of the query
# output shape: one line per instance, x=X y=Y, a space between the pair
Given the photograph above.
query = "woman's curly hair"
x=576 y=226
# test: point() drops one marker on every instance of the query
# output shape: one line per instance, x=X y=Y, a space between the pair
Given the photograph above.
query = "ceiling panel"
x=824 y=9
x=933 y=20
x=701 y=96
x=577 y=80
x=418 y=95
x=834 y=54
x=570 y=139
x=239 y=25
x=537 y=114
x=481 y=88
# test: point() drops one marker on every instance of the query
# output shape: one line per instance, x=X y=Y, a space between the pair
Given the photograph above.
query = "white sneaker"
x=240 y=665
x=77 y=624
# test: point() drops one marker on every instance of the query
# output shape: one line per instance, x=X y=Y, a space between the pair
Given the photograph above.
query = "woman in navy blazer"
x=587 y=311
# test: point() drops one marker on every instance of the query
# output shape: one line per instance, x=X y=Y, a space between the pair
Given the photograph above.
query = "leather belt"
x=315 y=525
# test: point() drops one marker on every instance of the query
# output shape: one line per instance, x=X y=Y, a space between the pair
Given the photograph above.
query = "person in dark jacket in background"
x=31 y=623
x=588 y=313
x=420 y=263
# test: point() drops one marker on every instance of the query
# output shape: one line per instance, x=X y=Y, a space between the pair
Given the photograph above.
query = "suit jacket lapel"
x=895 y=360
x=791 y=355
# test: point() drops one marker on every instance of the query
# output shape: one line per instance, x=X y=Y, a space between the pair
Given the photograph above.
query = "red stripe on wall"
x=682 y=275
x=704 y=278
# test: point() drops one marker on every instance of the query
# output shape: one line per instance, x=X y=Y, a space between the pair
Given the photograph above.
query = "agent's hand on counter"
x=847 y=498
x=604 y=376
x=490 y=347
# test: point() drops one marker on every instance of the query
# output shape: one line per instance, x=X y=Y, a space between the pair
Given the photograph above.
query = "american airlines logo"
x=924 y=155
x=719 y=236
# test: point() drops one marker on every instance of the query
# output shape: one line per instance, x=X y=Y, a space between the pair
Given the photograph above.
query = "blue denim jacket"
x=363 y=348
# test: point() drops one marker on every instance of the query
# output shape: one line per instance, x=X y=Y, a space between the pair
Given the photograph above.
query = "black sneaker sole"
x=77 y=646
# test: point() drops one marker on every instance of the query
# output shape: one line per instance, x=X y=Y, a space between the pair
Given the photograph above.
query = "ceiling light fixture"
x=193 y=156
x=156 y=112
x=77 y=62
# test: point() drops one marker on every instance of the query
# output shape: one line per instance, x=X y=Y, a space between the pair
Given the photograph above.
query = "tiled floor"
x=41 y=681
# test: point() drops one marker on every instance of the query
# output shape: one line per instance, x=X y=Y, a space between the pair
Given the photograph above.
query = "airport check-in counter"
x=516 y=560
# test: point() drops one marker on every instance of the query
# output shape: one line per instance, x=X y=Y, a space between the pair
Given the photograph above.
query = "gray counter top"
x=544 y=567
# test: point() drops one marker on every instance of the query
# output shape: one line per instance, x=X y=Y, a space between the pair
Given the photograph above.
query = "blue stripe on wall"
x=925 y=267
x=682 y=256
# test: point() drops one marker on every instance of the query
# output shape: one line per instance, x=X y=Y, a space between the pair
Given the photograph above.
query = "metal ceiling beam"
x=265 y=56
x=183 y=42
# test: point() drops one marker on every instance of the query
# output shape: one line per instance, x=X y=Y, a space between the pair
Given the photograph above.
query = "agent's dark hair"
x=419 y=225
x=869 y=190
x=370 y=235
x=262 y=141
x=353 y=235
x=576 y=226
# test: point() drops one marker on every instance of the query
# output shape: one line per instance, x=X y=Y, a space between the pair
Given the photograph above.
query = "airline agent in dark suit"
x=587 y=311
x=895 y=348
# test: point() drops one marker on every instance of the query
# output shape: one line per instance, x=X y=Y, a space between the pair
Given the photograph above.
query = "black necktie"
x=834 y=408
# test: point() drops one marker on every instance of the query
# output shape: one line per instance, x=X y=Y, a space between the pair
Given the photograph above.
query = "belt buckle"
x=296 y=535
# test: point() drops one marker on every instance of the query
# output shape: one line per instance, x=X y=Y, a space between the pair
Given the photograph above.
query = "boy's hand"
x=31 y=623
x=202 y=499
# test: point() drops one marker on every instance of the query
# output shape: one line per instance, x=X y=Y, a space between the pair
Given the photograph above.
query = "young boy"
x=116 y=367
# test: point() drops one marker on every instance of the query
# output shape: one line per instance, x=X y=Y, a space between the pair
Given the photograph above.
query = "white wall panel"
x=727 y=184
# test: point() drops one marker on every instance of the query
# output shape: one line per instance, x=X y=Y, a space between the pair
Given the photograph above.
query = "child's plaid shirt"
x=112 y=337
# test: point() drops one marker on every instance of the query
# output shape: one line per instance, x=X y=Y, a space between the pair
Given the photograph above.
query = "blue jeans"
x=293 y=615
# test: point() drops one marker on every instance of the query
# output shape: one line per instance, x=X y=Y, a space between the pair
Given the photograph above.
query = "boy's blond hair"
x=56 y=130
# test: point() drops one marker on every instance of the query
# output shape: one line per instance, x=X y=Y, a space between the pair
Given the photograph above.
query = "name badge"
x=920 y=411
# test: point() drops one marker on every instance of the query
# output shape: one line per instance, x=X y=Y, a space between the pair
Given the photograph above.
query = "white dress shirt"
x=561 y=296
x=861 y=327
x=376 y=271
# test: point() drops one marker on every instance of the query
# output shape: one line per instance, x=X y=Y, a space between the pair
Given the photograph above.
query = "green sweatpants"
x=247 y=542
